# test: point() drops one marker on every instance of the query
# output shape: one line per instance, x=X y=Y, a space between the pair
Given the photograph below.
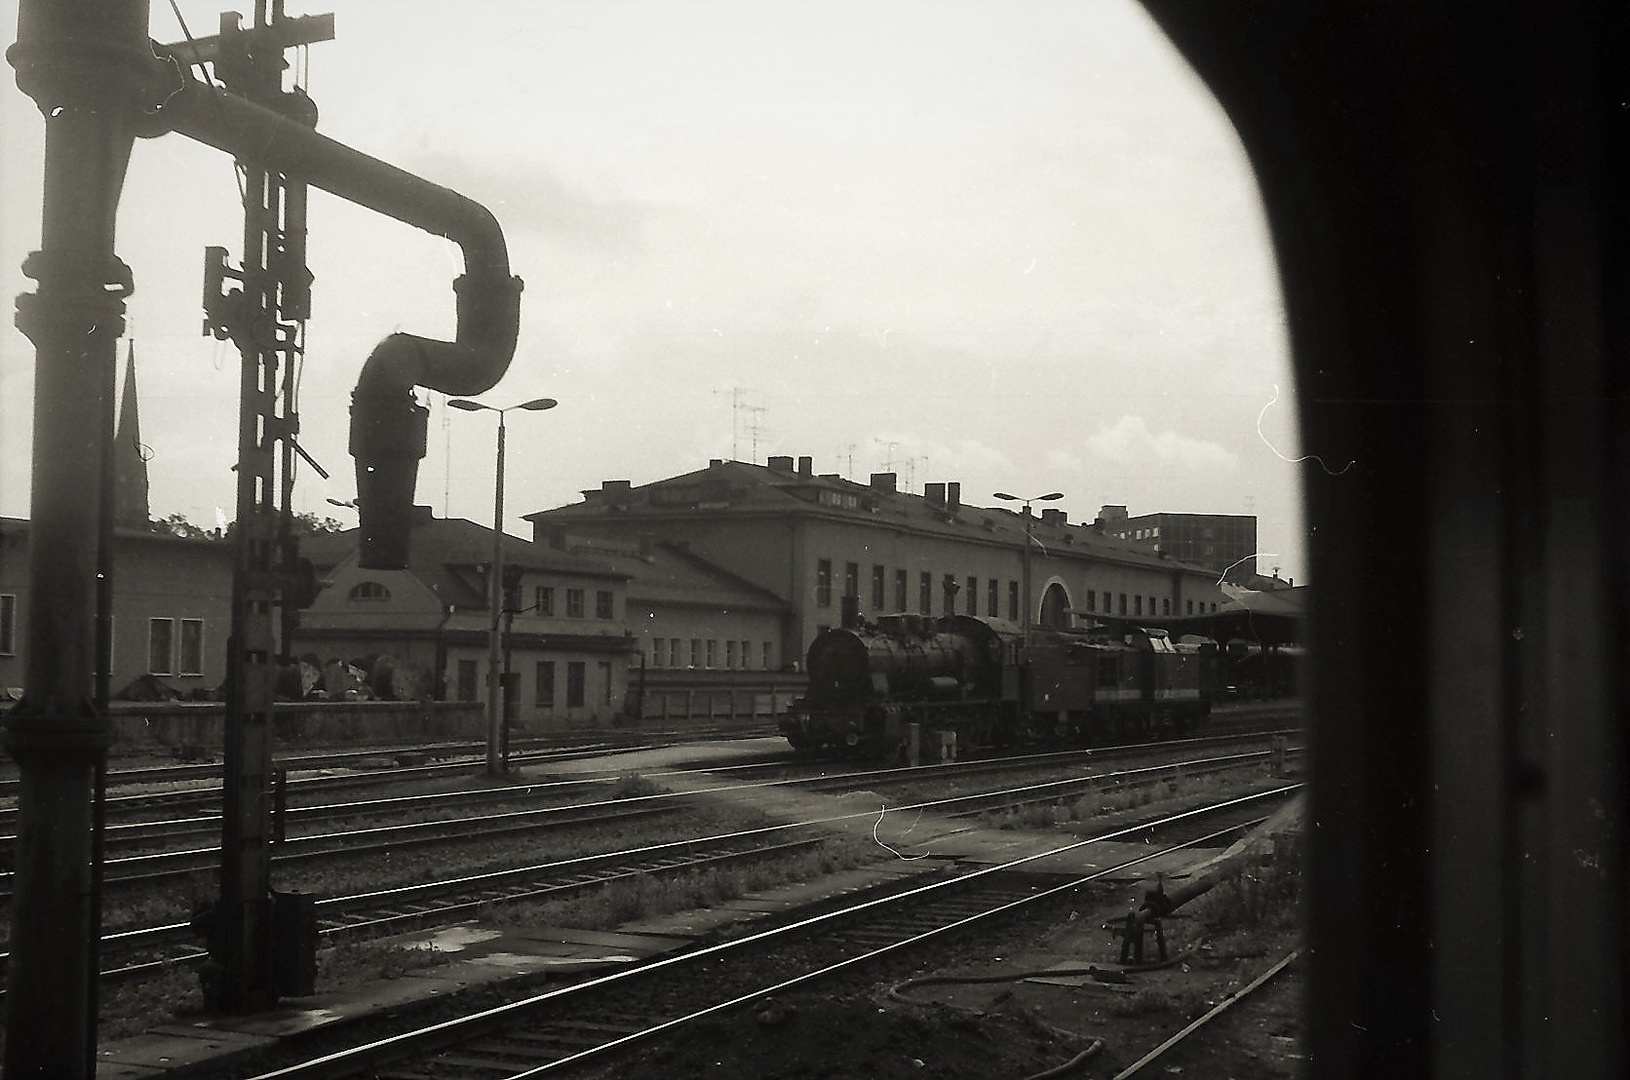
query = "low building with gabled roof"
x=567 y=643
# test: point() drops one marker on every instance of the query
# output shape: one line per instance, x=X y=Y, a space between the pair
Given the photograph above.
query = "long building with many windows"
x=812 y=540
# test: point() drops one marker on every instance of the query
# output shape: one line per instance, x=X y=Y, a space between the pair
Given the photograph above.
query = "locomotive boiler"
x=975 y=680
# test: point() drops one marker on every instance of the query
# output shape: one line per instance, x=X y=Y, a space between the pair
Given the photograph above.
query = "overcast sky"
x=1015 y=245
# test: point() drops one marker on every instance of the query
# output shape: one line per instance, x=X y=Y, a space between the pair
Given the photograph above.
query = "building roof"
x=18 y=528
x=738 y=488
x=668 y=573
x=449 y=556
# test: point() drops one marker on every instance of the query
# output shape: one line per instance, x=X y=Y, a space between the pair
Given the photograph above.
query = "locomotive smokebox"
x=388 y=433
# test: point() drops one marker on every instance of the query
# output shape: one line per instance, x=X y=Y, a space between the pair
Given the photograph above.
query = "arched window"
x=369 y=590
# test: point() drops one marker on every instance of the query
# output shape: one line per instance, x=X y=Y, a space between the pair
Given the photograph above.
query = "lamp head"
x=539 y=404
x=1005 y=497
x=467 y=406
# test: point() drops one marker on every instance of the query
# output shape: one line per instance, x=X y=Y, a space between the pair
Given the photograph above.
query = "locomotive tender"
x=976 y=678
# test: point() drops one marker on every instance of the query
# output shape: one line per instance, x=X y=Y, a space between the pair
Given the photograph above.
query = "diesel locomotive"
x=976 y=680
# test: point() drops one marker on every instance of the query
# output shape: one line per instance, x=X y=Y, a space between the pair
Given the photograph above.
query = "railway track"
x=553 y=1032
x=140 y=952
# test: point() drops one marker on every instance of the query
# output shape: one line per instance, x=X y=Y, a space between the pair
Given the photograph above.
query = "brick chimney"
x=1052 y=516
x=781 y=463
x=953 y=497
x=934 y=494
x=806 y=467
x=884 y=482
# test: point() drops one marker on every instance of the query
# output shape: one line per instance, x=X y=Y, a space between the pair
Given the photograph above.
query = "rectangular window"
x=8 y=624
x=1013 y=600
x=823 y=583
x=466 y=680
x=1137 y=605
x=900 y=580
x=160 y=646
x=543 y=600
x=1165 y=605
x=972 y=603
x=730 y=655
x=673 y=652
x=993 y=598
x=746 y=655
x=657 y=645
x=1123 y=603
x=1190 y=610
x=1092 y=600
x=712 y=652
x=192 y=647
x=543 y=684
x=767 y=656
x=879 y=588
x=925 y=593
x=851 y=579
x=603 y=604
x=949 y=586
x=605 y=681
x=575 y=671
x=574 y=603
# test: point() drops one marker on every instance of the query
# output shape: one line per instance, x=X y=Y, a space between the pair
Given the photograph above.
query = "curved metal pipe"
x=387 y=426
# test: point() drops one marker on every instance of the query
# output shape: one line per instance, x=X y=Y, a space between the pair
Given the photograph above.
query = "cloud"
x=1129 y=439
x=529 y=195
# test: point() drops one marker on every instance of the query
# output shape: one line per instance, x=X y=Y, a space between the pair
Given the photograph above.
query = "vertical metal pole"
x=81 y=63
x=495 y=590
x=275 y=282
x=1029 y=539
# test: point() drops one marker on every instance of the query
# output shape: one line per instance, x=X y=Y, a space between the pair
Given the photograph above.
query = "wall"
x=183 y=726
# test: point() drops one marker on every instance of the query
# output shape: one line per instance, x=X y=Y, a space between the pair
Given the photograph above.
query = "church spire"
x=130 y=506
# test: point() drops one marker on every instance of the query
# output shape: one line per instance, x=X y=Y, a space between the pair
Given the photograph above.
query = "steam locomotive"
x=974 y=681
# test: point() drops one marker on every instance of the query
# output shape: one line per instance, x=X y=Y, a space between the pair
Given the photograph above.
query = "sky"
x=1012 y=245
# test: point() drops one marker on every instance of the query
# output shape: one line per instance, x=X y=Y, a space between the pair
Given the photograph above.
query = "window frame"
x=8 y=624
x=543 y=676
x=576 y=683
x=168 y=667
x=193 y=650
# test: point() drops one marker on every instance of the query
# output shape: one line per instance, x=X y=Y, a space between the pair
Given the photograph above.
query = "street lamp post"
x=496 y=764
x=1029 y=539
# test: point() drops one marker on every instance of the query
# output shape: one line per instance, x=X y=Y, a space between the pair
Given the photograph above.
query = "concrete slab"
x=614 y=940
x=173 y=1046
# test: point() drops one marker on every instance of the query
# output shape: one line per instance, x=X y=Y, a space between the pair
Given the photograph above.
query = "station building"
x=811 y=540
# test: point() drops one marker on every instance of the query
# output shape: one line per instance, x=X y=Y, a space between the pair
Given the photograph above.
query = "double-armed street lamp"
x=496 y=765
x=1029 y=539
